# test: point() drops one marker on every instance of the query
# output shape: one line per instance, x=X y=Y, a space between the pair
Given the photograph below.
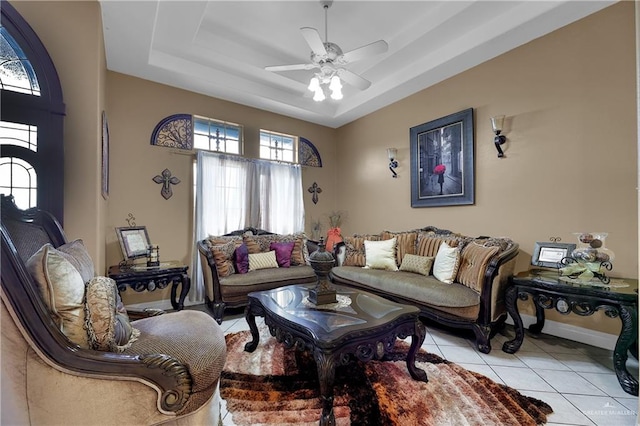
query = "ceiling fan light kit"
x=330 y=60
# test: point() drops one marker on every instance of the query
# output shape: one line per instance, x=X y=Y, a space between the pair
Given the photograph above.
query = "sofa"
x=455 y=280
x=70 y=353
x=278 y=260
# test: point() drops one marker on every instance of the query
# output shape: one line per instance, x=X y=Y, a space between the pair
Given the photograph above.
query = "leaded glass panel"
x=18 y=178
x=16 y=72
x=277 y=146
x=220 y=136
x=24 y=135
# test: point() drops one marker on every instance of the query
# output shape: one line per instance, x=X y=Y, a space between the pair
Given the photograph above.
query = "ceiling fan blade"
x=375 y=48
x=314 y=41
x=290 y=67
x=353 y=79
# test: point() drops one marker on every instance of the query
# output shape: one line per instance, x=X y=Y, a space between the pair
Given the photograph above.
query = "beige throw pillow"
x=264 y=260
x=76 y=253
x=417 y=264
x=445 y=265
x=62 y=290
x=381 y=254
x=107 y=322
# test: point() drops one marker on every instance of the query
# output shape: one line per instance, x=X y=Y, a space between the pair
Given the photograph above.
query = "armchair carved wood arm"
x=138 y=373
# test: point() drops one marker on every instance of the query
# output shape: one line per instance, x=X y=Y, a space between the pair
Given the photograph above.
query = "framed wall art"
x=442 y=161
x=134 y=241
x=105 y=156
x=549 y=255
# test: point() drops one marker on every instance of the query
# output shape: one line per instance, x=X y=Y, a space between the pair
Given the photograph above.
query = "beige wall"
x=135 y=107
x=72 y=33
x=571 y=160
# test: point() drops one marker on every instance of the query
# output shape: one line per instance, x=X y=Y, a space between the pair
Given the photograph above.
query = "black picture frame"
x=448 y=142
x=549 y=254
x=134 y=241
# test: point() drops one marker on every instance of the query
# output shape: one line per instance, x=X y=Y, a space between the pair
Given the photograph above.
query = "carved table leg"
x=174 y=288
x=537 y=327
x=184 y=290
x=416 y=341
x=326 y=376
x=627 y=339
x=511 y=300
x=251 y=320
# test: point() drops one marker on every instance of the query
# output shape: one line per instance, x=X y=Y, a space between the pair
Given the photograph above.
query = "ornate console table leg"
x=185 y=282
x=628 y=338
x=250 y=316
x=511 y=300
x=416 y=341
x=326 y=376
x=539 y=325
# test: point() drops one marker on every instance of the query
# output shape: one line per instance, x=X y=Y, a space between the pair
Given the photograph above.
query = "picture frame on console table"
x=442 y=164
x=134 y=241
x=549 y=254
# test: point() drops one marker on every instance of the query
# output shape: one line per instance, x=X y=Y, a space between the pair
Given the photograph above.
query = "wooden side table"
x=549 y=291
x=143 y=278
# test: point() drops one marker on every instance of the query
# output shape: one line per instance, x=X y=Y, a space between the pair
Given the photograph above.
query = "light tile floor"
x=577 y=380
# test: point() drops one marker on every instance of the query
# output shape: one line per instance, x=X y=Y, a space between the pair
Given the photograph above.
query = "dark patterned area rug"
x=279 y=386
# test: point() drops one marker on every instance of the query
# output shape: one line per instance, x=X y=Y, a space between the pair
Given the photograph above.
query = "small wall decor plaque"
x=166 y=180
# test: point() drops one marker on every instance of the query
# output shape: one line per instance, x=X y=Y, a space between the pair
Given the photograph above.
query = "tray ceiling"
x=220 y=48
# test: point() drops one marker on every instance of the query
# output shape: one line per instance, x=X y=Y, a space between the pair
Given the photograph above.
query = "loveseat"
x=71 y=356
x=455 y=280
x=277 y=260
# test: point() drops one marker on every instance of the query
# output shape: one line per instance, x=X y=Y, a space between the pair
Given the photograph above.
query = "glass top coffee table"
x=360 y=326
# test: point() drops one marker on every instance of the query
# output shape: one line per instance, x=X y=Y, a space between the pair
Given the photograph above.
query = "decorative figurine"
x=322 y=261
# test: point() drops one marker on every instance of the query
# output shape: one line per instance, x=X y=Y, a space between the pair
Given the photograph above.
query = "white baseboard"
x=572 y=332
x=164 y=304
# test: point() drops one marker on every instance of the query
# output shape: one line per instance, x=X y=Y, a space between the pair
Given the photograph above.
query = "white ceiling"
x=220 y=48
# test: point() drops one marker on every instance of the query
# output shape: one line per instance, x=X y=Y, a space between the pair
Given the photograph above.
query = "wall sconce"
x=497 y=122
x=393 y=163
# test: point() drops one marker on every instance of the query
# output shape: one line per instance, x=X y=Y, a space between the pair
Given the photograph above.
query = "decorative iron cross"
x=315 y=190
x=166 y=180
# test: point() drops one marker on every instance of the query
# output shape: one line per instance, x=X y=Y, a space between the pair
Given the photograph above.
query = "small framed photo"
x=549 y=255
x=134 y=241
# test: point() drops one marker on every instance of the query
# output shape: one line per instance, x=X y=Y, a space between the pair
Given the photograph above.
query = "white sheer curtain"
x=233 y=193
x=281 y=202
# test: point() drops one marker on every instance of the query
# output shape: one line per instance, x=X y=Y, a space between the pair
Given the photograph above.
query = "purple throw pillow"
x=283 y=253
x=242 y=259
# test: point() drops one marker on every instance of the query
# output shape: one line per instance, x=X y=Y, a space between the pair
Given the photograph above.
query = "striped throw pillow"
x=265 y=260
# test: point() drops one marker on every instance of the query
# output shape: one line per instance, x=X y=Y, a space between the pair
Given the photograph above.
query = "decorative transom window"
x=16 y=72
x=219 y=136
x=24 y=135
x=278 y=146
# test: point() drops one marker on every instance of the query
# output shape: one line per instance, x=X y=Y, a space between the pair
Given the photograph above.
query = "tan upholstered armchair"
x=168 y=375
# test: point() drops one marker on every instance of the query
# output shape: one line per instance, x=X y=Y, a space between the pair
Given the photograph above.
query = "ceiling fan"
x=329 y=58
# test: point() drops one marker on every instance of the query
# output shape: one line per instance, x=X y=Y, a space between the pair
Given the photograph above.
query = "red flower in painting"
x=439 y=169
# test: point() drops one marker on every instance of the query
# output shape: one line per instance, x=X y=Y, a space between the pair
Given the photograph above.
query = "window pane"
x=277 y=146
x=18 y=178
x=16 y=72
x=201 y=141
x=23 y=135
x=219 y=136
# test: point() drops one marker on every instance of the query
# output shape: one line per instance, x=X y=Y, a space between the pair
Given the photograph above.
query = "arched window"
x=31 y=118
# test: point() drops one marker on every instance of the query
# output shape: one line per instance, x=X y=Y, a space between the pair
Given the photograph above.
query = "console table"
x=550 y=291
x=144 y=278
